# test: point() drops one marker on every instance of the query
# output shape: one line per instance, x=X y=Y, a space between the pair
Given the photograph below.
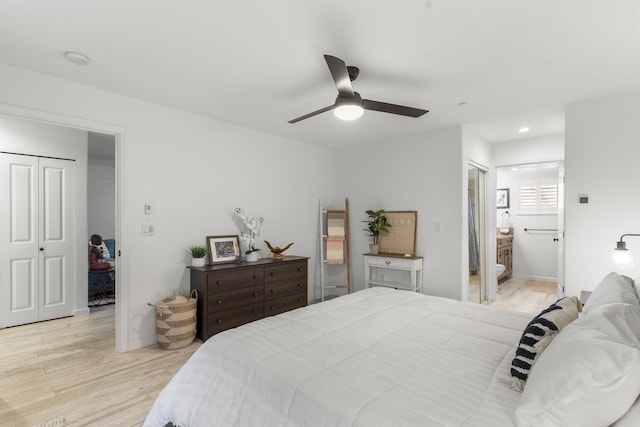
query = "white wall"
x=534 y=252
x=529 y=150
x=602 y=152
x=194 y=171
x=101 y=190
x=22 y=136
x=421 y=173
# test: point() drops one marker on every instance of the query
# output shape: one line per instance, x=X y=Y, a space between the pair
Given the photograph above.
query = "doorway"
x=101 y=214
x=535 y=224
x=46 y=131
x=477 y=234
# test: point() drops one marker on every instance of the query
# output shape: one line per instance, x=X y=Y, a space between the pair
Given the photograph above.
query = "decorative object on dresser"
x=252 y=254
x=231 y=295
x=253 y=223
x=223 y=249
x=278 y=252
x=375 y=266
x=504 y=252
x=198 y=254
x=376 y=223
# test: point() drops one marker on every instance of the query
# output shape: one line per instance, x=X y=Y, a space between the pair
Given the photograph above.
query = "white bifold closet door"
x=37 y=212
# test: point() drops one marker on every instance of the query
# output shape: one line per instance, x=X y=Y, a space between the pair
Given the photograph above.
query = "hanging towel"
x=335 y=250
x=335 y=224
x=335 y=237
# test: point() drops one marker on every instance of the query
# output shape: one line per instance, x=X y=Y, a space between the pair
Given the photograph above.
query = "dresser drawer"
x=284 y=288
x=285 y=271
x=228 y=280
x=389 y=262
x=281 y=305
x=235 y=298
x=227 y=319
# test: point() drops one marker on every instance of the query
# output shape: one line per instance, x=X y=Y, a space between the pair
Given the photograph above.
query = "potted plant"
x=377 y=222
x=198 y=254
x=251 y=254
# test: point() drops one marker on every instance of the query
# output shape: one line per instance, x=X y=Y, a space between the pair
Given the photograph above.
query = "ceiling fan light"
x=348 y=111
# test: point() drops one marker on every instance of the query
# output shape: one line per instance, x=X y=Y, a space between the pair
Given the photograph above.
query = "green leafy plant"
x=251 y=249
x=198 y=251
x=376 y=223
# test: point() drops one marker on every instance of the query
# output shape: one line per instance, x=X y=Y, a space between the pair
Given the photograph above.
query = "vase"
x=374 y=249
x=251 y=257
x=197 y=262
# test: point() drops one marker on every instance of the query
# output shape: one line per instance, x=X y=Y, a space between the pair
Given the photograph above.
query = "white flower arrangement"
x=254 y=224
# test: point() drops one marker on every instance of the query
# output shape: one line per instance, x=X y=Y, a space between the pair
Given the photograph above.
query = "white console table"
x=374 y=266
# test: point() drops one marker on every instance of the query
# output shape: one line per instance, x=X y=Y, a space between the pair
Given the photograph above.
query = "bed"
x=376 y=357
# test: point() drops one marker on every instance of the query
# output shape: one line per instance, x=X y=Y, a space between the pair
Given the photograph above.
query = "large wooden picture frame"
x=401 y=238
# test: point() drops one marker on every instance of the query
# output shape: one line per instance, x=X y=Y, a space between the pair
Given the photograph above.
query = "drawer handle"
x=273 y=274
x=387 y=262
x=299 y=299
x=219 y=282
x=273 y=291
x=255 y=311
x=255 y=277
x=255 y=294
x=273 y=307
x=219 y=301
x=299 y=285
x=219 y=321
x=299 y=269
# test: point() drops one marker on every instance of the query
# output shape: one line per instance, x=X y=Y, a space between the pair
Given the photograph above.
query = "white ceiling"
x=259 y=64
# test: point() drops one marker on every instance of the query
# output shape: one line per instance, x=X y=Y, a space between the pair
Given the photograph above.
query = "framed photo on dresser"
x=223 y=248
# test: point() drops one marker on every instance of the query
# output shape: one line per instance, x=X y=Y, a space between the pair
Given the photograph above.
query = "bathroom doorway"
x=477 y=234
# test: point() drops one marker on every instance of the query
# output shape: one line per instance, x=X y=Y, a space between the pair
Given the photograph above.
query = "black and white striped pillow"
x=539 y=333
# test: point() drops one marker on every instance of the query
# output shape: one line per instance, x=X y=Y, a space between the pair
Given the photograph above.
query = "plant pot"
x=251 y=257
x=197 y=262
x=374 y=249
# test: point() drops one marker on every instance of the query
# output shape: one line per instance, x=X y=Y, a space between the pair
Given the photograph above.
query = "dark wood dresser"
x=231 y=295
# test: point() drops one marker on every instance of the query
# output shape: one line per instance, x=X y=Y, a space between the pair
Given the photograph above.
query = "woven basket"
x=176 y=321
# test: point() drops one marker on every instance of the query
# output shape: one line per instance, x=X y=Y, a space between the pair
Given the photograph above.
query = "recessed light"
x=523 y=129
x=76 y=58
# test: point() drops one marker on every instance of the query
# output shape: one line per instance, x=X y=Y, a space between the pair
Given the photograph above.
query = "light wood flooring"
x=68 y=369
x=529 y=296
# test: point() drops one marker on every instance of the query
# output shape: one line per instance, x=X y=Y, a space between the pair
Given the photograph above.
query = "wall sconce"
x=621 y=256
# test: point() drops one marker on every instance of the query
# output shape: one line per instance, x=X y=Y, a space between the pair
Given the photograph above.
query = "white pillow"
x=538 y=334
x=631 y=418
x=590 y=373
x=614 y=288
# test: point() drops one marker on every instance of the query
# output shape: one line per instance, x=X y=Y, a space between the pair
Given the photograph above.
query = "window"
x=538 y=196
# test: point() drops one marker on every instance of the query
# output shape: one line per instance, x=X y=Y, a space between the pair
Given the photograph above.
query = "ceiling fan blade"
x=340 y=75
x=315 y=113
x=385 y=107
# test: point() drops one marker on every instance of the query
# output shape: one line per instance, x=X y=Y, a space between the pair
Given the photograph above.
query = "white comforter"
x=377 y=357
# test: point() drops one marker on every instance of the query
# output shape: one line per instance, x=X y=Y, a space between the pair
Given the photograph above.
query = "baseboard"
x=531 y=277
x=83 y=310
x=142 y=342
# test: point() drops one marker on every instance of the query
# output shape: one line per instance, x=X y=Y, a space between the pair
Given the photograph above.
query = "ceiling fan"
x=349 y=104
